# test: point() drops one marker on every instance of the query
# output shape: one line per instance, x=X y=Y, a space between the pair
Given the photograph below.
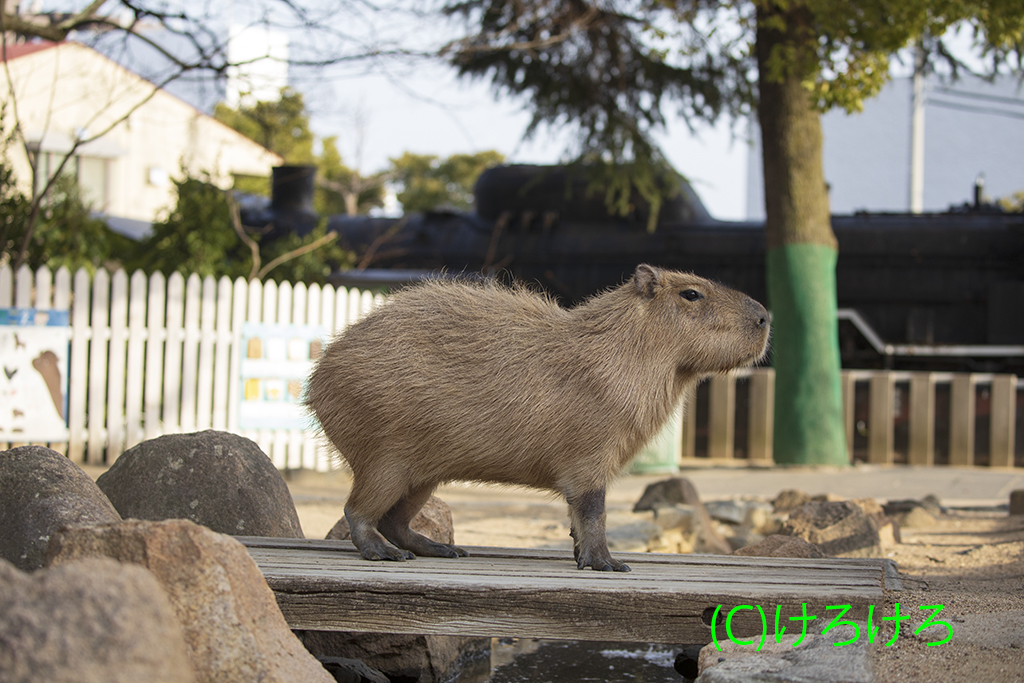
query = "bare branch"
x=236 y=223
x=295 y=253
x=377 y=243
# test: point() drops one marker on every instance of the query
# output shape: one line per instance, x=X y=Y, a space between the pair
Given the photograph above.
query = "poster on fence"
x=276 y=360
x=34 y=377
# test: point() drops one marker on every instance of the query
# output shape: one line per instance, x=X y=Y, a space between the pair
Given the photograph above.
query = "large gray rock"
x=778 y=545
x=815 y=659
x=680 y=490
x=233 y=628
x=220 y=480
x=40 y=492
x=91 y=621
x=425 y=659
x=838 y=528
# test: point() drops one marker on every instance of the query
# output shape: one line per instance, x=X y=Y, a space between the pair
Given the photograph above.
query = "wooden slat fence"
x=915 y=418
x=155 y=355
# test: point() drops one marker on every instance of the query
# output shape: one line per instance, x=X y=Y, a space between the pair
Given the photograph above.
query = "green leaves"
x=427 y=182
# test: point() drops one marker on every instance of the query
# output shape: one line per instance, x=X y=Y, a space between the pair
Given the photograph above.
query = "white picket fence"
x=155 y=355
x=152 y=356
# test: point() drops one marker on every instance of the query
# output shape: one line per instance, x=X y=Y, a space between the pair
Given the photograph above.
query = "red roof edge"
x=15 y=51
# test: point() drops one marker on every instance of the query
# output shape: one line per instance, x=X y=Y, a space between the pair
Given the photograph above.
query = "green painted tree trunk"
x=801 y=247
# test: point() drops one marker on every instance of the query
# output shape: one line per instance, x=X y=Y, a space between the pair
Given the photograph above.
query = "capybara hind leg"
x=395 y=527
x=368 y=540
x=364 y=509
x=590 y=545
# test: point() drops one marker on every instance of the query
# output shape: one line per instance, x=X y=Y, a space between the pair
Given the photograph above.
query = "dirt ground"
x=971 y=562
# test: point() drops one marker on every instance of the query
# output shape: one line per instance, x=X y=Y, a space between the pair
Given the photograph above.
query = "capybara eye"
x=691 y=295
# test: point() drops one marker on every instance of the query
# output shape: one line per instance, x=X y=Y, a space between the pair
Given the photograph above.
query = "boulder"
x=729 y=511
x=888 y=527
x=744 y=538
x=839 y=529
x=667 y=492
x=790 y=499
x=40 y=492
x=816 y=658
x=425 y=659
x=347 y=670
x=778 y=545
x=434 y=521
x=233 y=628
x=681 y=491
x=916 y=518
x=761 y=517
x=220 y=480
x=90 y=621
x=930 y=504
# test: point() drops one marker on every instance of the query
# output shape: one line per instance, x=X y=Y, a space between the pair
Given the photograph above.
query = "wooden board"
x=532 y=593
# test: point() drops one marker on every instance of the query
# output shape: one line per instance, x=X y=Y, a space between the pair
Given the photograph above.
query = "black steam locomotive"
x=939 y=291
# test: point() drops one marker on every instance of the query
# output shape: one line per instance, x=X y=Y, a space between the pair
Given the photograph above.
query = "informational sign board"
x=276 y=361
x=33 y=375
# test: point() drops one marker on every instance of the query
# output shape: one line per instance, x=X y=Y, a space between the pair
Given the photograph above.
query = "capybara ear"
x=647 y=279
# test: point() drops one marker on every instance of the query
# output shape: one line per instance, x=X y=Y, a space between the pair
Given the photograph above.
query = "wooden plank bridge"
x=533 y=593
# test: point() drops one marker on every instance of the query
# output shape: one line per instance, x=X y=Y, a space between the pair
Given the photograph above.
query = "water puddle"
x=515 y=660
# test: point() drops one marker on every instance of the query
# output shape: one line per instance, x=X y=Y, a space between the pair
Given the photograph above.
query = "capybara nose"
x=759 y=313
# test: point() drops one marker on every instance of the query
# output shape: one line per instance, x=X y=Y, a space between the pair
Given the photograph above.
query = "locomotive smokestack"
x=292 y=188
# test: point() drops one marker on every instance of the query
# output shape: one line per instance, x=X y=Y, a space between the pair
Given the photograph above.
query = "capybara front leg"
x=590 y=545
x=395 y=527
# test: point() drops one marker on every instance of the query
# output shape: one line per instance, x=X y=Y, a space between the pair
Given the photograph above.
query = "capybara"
x=460 y=381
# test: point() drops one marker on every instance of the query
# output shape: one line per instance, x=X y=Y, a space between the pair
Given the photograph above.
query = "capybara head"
x=714 y=328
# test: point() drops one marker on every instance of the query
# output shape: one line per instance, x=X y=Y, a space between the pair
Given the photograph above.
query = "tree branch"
x=295 y=253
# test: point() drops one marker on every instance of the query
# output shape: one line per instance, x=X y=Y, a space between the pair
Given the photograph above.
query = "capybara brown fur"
x=459 y=381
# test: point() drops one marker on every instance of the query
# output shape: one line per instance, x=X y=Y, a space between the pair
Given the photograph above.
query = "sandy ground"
x=970 y=562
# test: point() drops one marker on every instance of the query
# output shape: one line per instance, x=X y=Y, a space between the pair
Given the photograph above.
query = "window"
x=91 y=174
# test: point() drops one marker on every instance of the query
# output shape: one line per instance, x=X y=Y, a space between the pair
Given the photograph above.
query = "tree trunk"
x=801 y=247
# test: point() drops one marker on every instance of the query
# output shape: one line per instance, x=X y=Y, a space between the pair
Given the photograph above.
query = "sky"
x=428 y=110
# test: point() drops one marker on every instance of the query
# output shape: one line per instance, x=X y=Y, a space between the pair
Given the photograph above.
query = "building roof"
x=14 y=51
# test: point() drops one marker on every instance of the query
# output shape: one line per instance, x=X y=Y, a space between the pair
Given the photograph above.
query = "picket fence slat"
x=153 y=392
x=173 y=341
x=221 y=354
x=44 y=288
x=155 y=355
x=98 y=348
x=135 y=372
x=241 y=307
x=23 y=287
x=190 y=354
x=62 y=289
x=269 y=309
x=6 y=287
x=118 y=358
x=207 y=340
x=78 y=368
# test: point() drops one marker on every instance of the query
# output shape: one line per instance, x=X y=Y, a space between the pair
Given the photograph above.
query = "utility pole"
x=917 y=134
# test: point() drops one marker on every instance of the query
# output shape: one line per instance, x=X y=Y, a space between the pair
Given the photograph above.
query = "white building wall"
x=71 y=92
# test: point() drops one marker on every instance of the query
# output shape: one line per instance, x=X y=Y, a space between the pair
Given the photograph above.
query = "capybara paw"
x=446 y=550
x=600 y=563
x=386 y=552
